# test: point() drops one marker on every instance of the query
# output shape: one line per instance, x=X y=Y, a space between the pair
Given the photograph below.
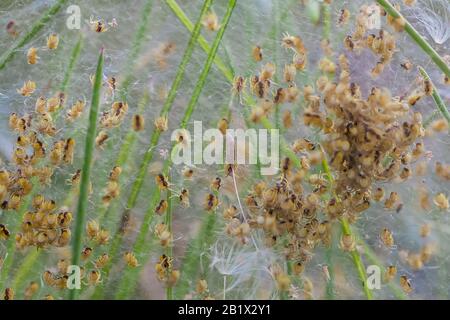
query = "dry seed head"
x=392 y=200
x=52 y=41
x=161 y=124
x=188 y=173
x=48 y=278
x=161 y=181
x=405 y=284
x=92 y=229
x=130 y=259
x=27 y=89
x=86 y=253
x=441 y=201
x=216 y=184
x=101 y=139
x=201 y=287
x=299 y=61
x=344 y=17
x=138 y=122
x=239 y=84
x=184 y=198
x=161 y=208
x=98 y=26
x=101 y=261
x=4 y=232
x=257 y=53
x=94 y=277
x=32 y=56
x=230 y=212
x=76 y=110
x=9 y=294
x=222 y=125
x=428 y=87
x=387 y=237
x=102 y=236
x=391 y=272
x=267 y=72
x=289 y=72
x=293 y=42
x=211 y=21
x=115 y=172
x=211 y=202
x=347 y=243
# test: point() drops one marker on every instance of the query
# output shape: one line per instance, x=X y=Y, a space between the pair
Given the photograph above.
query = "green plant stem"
x=80 y=219
x=135 y=48
x=191 y=260
x=36 y=27
x=168 y=222
x=227 y=72
x=28 y=261
x=72 y=62
x=357 y=261
x=11 y=242
x=326 y=16
x=346 y=229
x=25 y=266
x=123 y=156
x=148 y=156
x=436 y=97
x=372 y=257
x=415 y=35
x=139 y=245
x=329 y=251
x=289 y=153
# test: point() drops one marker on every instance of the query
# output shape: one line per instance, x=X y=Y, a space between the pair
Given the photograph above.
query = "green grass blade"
x=191 y=260
x=436 y=97
x=289 y=153
x=72 y=62
x=139 y=246
x=415 y=35
x=372 y=257
x=31 y=257
x=137 y=185
x=148 y=156
x=357 y=261
x=25 y=266
x=11 y=242
x=173 y=5
x=168 y=222
x=37 y=26
x=80 y=218
x=135 y=48
x=346 y=229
